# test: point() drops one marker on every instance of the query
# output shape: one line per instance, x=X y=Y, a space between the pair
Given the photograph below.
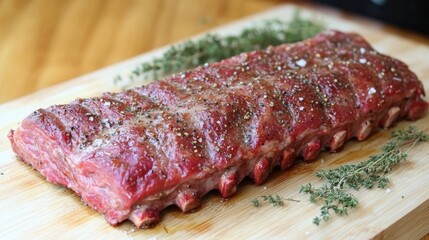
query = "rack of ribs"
x=131 y=154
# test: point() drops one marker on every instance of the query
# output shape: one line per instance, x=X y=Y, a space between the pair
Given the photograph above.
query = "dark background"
x=408 y=14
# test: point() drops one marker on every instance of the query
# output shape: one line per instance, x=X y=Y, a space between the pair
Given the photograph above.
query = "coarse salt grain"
x=301 y=62
x=97 y=142
x=362 y=60
x=372 y=91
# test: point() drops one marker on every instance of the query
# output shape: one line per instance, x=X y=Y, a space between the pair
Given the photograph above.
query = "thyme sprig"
x=335 y=194
x=215 y=47
x=275 y=200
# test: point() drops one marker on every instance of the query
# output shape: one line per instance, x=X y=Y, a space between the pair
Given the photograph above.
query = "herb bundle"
x=335 y=194
x=214 y=47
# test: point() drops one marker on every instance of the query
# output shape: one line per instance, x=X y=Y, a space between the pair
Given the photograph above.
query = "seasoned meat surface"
x=131 y=154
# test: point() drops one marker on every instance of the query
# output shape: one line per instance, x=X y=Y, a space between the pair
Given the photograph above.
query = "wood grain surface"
x=46 y=42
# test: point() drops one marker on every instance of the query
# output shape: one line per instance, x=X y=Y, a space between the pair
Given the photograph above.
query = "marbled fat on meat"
x=131 y=154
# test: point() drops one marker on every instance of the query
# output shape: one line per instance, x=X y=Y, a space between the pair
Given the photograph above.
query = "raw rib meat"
x=131 y=154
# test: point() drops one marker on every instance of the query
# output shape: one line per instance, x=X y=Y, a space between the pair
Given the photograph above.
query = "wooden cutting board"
x=33 y=208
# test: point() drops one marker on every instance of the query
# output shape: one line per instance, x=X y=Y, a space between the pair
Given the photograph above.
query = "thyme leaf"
x=255 y=202
x=335 y=194
x=215 y=47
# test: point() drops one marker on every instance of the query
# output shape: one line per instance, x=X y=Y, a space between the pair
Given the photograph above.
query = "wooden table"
x=44 y=42
x=49 y=41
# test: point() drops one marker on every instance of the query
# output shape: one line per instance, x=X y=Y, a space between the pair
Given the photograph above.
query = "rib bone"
x=311 y=150
x=288 y=156
x=364 y=130
x=390 y=117
x=228 y=183
x=188 y=200
x=338 y=140
x=261 y=170
x=144 y=218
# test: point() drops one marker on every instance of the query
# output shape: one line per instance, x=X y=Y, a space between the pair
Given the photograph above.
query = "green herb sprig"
x=275 y=200
x=335 y=194
x=214 y=47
